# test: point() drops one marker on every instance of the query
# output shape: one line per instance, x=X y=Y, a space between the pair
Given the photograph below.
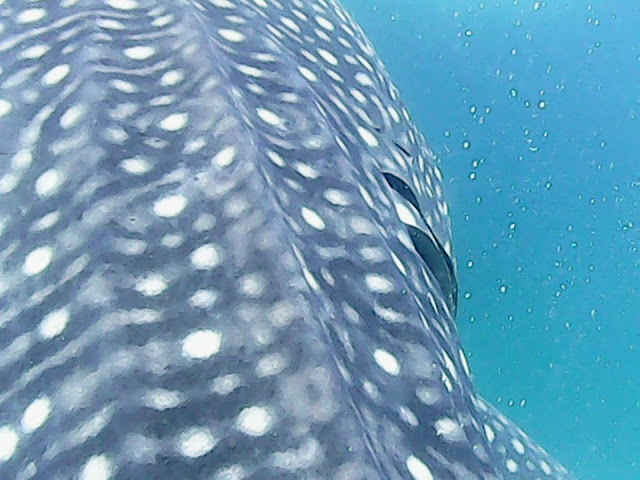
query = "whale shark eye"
x=429 y=247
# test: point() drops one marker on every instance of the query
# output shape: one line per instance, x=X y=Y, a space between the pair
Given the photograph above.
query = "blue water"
x=545 y=199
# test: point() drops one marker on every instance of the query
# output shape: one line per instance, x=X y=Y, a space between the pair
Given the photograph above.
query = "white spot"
x=8 y=443
x=269 y=117
x=254 y=421
x=72 y=116
x=225 y=157
x=276 y=158
x=512 y=466
x=123 y=86
x=171 y=78
x=290 y=97
x=372 y=390
x=161 y=399
x=161 y=100
x=163 y=21
x=56 y=74
x=98 y=467
x=225 y=384
x=152 y=285
x=141 y=316
x=172 y=240
x=130 y=246
x=22 y=159
x=465 y=364
x=406 y=214
x=37 y=260
x=5 y=107
x=373 y=254
x=206 y=257
x=251 y=71
x=222 y=4
x=290 y=24
x=328 y=57
x=203 y=299
x=204 y=222
x=174 y=122
x=110 y=24
x=232 y=472
x=311 y=280
x=8 y=182
x=357 y=94
x=491 y=436
x=418 y=470
x=449 y=365
x=368 y=137
x=363 y=79
x=308 y=74
x=35 y=414
x=428 y=396
x=196 y=442
x=306 y=170
x=387 y=361
x=194 y=145
x=313 y=219
x=54 y=323
x=449 y=429
x=378 y=284
x=407 y=415
x=141 y=52
x=47 y=221
x=361 y=225
x=122 y=4
x=324 y=23
x=366 y=196
x=31 y=15
x=271 y=364
x=231 y=35
x=48 y=183
x=398 y=263
x=140 y=449
x=253 y=285
x=115 y=135
x=201 y=344
x=170 y=206
x=135 y=165
x=518 y=446
x=545 y=467
x=35 y=52
x=337 y=197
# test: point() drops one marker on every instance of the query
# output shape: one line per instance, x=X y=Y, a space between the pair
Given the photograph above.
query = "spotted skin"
x=205 y=272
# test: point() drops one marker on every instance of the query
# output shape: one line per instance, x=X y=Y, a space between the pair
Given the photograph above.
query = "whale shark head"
x=225 y=254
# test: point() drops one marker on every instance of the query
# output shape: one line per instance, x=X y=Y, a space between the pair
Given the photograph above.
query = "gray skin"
x=225 y=254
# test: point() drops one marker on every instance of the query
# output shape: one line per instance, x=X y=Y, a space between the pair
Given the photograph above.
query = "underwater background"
x=532 y=108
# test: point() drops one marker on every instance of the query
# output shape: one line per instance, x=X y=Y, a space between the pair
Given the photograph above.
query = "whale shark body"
x=225 y=254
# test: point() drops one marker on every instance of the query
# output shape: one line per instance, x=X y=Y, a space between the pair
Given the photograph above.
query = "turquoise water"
x=533 y=109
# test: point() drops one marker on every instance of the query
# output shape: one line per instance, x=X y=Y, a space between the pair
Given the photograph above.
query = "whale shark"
x=225 y=254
